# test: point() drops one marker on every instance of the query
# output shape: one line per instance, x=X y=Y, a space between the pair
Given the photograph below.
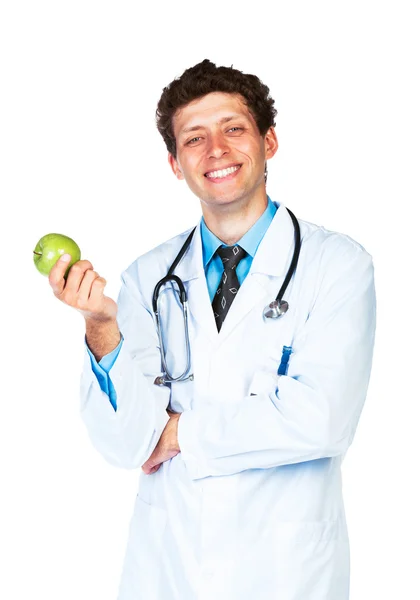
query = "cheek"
x=191 y=166
x=249 y=148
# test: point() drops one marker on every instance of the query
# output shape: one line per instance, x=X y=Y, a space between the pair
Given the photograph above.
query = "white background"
x=80 y=155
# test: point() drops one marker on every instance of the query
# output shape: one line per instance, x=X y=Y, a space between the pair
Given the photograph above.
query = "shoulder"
x=332 y=263
x=331 y=246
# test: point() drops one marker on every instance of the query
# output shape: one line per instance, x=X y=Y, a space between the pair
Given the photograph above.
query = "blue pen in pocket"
x=284 y=363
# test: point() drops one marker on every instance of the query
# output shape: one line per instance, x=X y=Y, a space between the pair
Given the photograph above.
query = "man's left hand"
x=167 y=446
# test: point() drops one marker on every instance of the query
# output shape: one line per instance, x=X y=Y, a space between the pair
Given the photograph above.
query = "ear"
x=174 y=166
x=271 y=143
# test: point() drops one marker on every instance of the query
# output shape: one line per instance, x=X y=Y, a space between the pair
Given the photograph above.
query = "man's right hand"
x=83 y=290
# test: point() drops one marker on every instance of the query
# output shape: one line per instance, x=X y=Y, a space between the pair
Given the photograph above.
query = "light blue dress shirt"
x=213 y=267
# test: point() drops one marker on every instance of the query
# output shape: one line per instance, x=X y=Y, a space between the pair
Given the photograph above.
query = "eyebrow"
x=224 y=120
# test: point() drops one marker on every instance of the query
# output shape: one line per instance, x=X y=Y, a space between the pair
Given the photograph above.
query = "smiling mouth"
x=222 y=173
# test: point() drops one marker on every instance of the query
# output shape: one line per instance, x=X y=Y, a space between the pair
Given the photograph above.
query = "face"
x=220 y=151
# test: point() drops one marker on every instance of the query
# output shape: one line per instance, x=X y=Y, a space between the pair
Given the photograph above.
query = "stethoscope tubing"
x=170 y=277
x=295 y=257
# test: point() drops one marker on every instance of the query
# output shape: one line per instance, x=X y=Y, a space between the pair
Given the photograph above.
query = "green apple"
x=49 y=249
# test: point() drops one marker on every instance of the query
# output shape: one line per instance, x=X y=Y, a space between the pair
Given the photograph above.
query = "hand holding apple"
x=73 y=281
x=83 y=289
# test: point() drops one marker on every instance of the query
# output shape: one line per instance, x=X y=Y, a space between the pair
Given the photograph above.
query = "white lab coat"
x=251 y=508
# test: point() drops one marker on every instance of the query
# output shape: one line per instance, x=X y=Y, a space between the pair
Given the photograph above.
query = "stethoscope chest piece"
x=160 y=380
x=276 y=309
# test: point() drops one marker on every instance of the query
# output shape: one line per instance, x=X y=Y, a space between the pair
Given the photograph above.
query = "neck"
x=230 y=222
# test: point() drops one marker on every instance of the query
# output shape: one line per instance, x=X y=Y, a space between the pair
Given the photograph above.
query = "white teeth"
x=223 y=172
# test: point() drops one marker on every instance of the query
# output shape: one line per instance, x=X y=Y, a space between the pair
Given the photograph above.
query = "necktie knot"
x=231 y=256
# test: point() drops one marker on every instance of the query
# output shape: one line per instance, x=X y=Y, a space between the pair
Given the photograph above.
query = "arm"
x=102 y=337
x=127 y=436
x=310 y=413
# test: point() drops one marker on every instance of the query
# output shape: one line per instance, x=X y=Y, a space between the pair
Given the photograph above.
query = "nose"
x=217 y=146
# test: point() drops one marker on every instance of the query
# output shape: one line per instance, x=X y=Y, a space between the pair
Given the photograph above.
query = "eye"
x=194 y=140
x=236 y=128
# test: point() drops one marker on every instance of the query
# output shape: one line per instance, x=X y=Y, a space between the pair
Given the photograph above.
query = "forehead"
x=209 y=110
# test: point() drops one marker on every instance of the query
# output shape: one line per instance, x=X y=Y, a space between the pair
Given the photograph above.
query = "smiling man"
x=240 y=433
x=221 y=154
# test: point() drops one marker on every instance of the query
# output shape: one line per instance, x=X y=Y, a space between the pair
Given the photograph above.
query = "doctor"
x=240 y=492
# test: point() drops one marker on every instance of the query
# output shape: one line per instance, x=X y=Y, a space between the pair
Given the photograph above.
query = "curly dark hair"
x=205 y=78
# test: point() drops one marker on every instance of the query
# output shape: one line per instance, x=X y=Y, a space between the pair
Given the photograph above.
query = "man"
x=240 y=489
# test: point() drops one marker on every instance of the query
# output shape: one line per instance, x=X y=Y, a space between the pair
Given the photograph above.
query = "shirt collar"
x=249 y=241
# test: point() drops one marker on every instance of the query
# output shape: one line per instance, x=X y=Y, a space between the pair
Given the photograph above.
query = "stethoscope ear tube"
x=169 y=276
x=182 y=292
x=181 y=252
x=166 y=377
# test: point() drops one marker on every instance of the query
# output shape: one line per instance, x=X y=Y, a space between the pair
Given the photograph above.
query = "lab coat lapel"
x=267 y=273
x=191 y=271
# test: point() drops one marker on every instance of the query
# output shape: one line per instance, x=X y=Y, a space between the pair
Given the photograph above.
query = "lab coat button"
x=207 y=574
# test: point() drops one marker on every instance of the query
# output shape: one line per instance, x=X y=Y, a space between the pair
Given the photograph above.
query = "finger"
x=97 y=292
x=150 y=470
x=56 y=275
x=146 y=468
x=86 y=285
x=152 y=461
x=75 y=276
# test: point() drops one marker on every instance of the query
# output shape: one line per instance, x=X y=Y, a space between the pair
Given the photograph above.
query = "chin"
x=220 y=200
x=228 y=197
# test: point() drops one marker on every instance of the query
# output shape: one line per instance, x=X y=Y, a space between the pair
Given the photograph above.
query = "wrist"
x=100 y=321
x=176 y=444
x=102 y=337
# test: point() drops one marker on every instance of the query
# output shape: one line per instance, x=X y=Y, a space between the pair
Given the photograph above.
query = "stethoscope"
x=276 y=309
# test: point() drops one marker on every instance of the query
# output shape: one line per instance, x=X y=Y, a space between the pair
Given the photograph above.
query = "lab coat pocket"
x=310 y=559
x=292 y=533
x=142 y=563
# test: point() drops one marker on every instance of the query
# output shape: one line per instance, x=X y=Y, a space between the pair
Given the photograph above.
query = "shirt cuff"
x=101 y=371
